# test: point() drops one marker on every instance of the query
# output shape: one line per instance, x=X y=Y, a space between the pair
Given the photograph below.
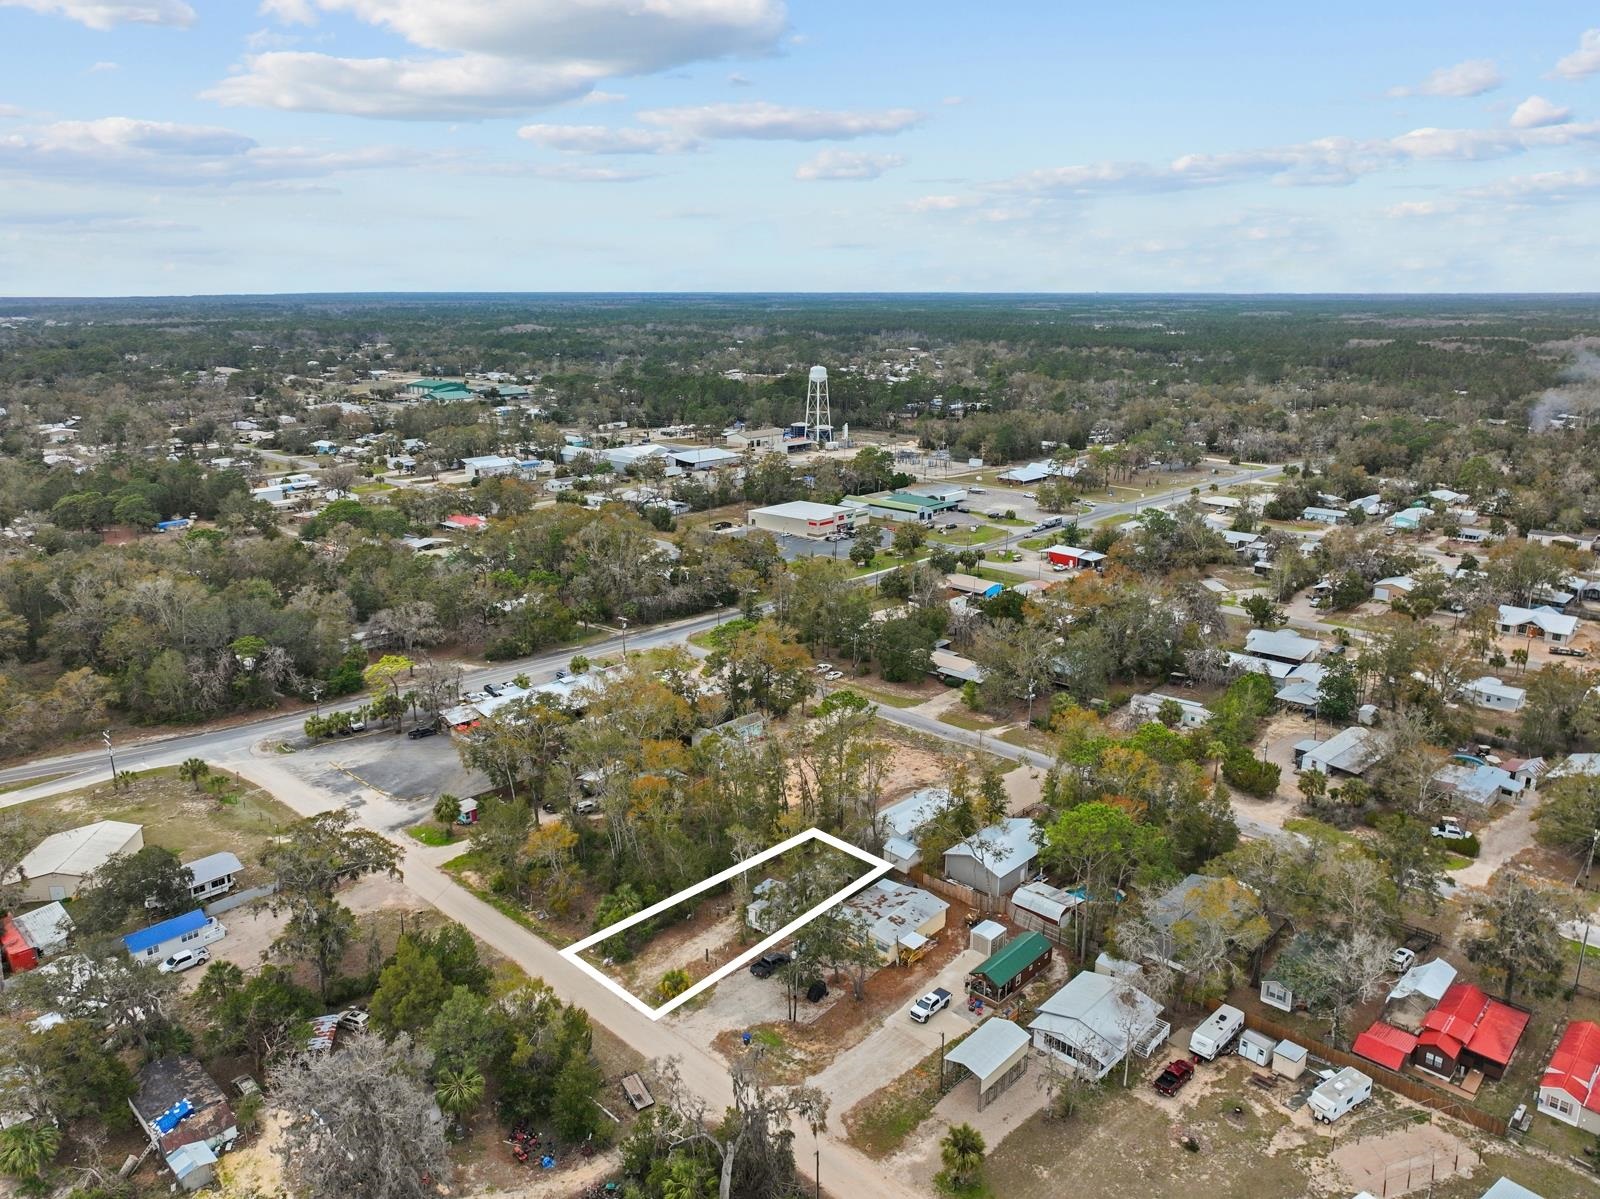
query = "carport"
x=996 y=1055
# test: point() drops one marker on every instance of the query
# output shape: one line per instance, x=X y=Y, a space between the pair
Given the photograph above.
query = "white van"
x=1337 y=1095
x=1217 y=1033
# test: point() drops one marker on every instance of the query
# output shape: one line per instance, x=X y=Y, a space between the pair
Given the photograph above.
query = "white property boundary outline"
x=574 y=953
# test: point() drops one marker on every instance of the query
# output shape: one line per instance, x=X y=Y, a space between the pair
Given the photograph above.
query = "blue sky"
x=183 y=146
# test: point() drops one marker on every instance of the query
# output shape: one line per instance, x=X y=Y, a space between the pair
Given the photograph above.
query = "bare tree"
x=362 y=1122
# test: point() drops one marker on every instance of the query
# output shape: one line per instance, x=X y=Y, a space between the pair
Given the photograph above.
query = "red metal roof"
x=1385 y=1044
x=1575 y=1065
x=1467 y=1018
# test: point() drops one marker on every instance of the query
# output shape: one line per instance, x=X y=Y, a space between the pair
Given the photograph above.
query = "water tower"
x=819 y=420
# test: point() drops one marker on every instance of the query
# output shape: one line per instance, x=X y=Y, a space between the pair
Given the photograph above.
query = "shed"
x=996 y=1055
x=1044 y=908
x=34 y=935
x=1388 y=1046
x=213 y=875
x=57 y=866
x=638 y=1094
x=973 y=585
x=1008 y=969
x=1256 y=1047
x=987 y=937
x=1289 y=1059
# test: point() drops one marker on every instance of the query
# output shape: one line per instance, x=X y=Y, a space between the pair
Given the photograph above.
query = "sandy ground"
x=919 y=1161
x=1409 y=1159
x=1499 y=842
x=1024 y=788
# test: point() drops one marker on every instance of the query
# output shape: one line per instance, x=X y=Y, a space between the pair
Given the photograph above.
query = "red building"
x=1072 y=556
x=1387 y=1045
x=1468 y=1030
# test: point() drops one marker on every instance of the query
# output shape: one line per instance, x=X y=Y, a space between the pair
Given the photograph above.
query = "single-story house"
x=1165 y=912
x=1385 y=1044
x=1527 y=771
x=483 y=466
x=1576 y=764
x=1353 y=751
x=1191 y=715
x=900 y=822
x=1372 y=505
x=1542 y=622
x=213 y=875
x=1281 y=645
x=803 y=518
x=996 y=860
x=901 y=919
x=1479 y=783
x=1445 y=496
x=972 y=585
x=186 y=1117
x=1228 y=503
x=1411 y=518
x=1325 y=516
x=996 y=1055
x=1569 y=1090
x=1488 y=691
x=1073 y=557
x=1270 y=667
x=1468 y=1030
x=1043 y=908
x=1010 y=967
x=462 y=522
x=1390 y=589
x=1094 y=1021
x=28 y=938
x=1584 y=542
x=160 y=941
x=954 y=667
x=1302 y=688
x=324 y=446
x=57 y=866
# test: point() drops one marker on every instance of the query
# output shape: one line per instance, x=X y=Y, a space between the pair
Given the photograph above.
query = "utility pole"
x=622 y=622
x=106 y=737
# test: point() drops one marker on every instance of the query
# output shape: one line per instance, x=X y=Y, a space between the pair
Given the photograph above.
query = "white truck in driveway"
x=1219 y=1030
x=1337 y=1095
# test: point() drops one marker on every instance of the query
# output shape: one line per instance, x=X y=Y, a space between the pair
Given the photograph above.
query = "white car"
x=1030 y=495
x=1060 y=567
x=1450 y=828
x=185 y=959
x=833 y=676
x=824 y=667
x=1400 y=960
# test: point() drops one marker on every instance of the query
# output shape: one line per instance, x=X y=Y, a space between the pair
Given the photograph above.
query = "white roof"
x=1546 y=618
x=45 y=928
x=989 y=1050
x=79 y=851
x=895 y=911
x=1504 y=1188
x=1403 y=582
x=1266 y=666
x=1352 y=750
x=1577 y=764
x=214 y=866
x=1042 y=899
x=1431 y=979
x=487 y=462
x=1490 y=686
x=802 y=510
x=1000 y=847
x=1279 y=643
x=915 y=810
x=1093 y=1007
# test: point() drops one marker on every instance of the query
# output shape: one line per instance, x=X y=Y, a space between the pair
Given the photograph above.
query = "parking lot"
x=412 y=774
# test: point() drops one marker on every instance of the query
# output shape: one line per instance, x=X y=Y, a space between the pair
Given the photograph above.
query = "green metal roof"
x=918 y=501
x=1013 y=958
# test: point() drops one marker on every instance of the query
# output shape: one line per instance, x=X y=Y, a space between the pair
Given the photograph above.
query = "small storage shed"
x=997 y=1055
x=987 y=937
x=1289 y=1059
x=1256 y=1047
x=1003 y=973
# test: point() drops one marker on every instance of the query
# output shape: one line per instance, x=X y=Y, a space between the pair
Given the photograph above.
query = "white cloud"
x=1470 y=78
x=940 y=203
x=764 y=121
x=602 y=98
x=100 y=68
x=464 y=87
x=1585 y=60
x=573 y=173
x=8 y=111
x=108 y=14
x=1407 y=209
x=600 y=139
x=1536 y=111
x=1542 y=187
x=500 y=57
x=290 y=12
x=126 y=150
x=738 y=80
x=845 y=164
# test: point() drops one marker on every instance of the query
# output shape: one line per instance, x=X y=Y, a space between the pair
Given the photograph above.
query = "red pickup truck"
x=1178 y=1072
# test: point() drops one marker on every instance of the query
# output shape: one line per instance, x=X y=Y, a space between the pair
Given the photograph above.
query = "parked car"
x=833 y=676
x=1059 y=568
x=1400 y=960
x=422 y=730
x=720 y=525
x=824 y=667
x=1030 y=495
x=768 y=963
x=185 y=959
x=353 y=1019
x=977 y=490
x=357 y=726
x=933 y=1002
x=1172 y=1079
x=585 y=807
x=1568 y=651
x=1450 y=829
x=491 y=690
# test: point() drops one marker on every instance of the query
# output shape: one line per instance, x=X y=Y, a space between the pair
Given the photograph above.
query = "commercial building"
x=803 y=518
x=57 y=866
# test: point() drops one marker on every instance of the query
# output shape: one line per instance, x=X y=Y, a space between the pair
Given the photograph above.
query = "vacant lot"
x=241 y=818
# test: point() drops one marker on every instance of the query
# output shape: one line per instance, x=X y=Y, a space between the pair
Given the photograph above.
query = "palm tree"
x=445 y=810
x=26 y=1149
x=459 y=1091
x=962 y=1153
x=194 y=770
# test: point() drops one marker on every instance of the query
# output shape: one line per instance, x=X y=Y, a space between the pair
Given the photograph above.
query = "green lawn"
x=175 y=816
x=1011 y=522
x=370 y=488
x=977 y=535
x=883 y=561
x=463 y=868
x=879 y=696
x=973 y=722
x=1035 y=543
x=431 y=834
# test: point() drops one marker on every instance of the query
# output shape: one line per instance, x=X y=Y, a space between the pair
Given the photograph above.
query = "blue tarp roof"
x=145 y=938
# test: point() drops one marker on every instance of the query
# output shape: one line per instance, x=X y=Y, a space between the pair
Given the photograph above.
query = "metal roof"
x=80 y=850
x=989 y=1050
x=214 y=866
x=147 y=938
x=1013 y=958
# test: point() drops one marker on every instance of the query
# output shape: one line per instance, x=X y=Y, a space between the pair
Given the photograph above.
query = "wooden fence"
x=1403 y=1084
x=958 y=893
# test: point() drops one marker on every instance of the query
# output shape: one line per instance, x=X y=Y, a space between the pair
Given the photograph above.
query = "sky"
x=222 y=146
